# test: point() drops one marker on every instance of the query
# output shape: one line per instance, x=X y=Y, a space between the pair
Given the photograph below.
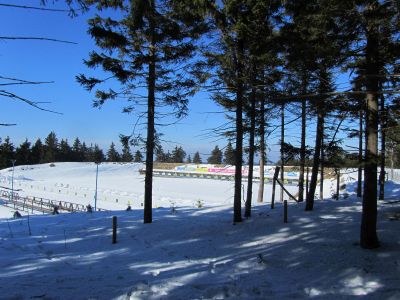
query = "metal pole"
x=95 y=195
x=12 y=182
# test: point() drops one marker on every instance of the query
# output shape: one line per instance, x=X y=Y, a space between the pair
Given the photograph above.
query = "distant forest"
x=54 y=150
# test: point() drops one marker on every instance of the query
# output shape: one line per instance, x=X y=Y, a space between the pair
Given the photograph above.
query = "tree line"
x=54 y=150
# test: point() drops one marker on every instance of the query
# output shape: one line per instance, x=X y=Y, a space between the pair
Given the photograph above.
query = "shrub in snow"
x=52 y=165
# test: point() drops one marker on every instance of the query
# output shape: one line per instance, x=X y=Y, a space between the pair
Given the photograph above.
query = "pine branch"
x=37 y=39
x=7 y=124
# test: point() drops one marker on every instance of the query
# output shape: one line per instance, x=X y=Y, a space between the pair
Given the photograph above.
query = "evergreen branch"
x=37 y=39
x=7 y=124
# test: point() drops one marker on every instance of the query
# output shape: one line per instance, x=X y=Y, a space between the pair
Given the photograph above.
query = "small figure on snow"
x=129 y=208
x=17 y=214
x=89 y=208
x=55 y=210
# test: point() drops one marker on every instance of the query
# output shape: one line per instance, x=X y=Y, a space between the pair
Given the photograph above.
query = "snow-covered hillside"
x=192 y=251
x=118 y=186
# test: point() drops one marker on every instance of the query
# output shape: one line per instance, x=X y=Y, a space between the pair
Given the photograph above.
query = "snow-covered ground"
x=118 y=186
x=191 y=252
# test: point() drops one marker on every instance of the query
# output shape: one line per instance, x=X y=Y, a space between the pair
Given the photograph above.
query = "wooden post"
x=337 y=183
x=274 y=186
x=285 y=211
x=33 y=200
x=114 y=229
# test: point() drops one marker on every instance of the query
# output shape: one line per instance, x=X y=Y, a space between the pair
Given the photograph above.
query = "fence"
x=29 y=203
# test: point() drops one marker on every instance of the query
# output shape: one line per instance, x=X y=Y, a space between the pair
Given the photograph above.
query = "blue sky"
x=49 y=61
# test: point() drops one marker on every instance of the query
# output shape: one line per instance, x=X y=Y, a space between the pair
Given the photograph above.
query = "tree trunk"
x=247 y=212
x=368 y=235
x=282 y=146
x=302 y=150
x=321 y=184
x=383 y=149
x=260 y=197
x=316 y=161
x=360 y=154
x=237 y=207
x=148 y=181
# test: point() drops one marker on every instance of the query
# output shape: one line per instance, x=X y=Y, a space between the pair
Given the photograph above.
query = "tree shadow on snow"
x=193 y=253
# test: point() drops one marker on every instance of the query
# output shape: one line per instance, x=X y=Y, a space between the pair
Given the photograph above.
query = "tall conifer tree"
x=144 y=47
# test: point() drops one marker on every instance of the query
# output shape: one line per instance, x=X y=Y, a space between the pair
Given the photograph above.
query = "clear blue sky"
x=49 y=61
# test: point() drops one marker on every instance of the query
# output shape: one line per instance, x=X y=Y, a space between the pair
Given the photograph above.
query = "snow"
x=190 y=252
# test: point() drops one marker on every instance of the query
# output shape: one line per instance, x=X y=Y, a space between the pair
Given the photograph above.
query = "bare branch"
x=24 y=81
x=33 y=7
x=29 y=102
x=35 y=38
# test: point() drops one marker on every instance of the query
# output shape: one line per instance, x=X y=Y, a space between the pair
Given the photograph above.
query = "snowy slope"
x=192 y=252
x=118 y=185
x=196 y=253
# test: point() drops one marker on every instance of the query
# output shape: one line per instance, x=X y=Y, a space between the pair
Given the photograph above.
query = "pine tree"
x=178 y=155
x=138 y=156
x=50 y=148
x=143 y=47
x=7 y=153
x=160 y=155
x=37 y=152
x=97 y=154
x=229 y=155
x=215 y=157
x=77 y=154
x=197 y=158
x=126 y=151
x=189 y=160
x=65 y=151
x=112 y=154
x=23 y=153
x=86 y=153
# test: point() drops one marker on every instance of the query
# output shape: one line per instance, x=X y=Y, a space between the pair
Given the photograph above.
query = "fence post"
x=285 y=207
x=274 y=186
x=114 y=229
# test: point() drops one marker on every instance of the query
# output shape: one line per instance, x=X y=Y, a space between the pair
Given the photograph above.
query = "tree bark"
x=302 y=150
x=247 y=212
x=316 y=162
x=321 y=183
x=282 y=145
x=360 y=154
x=260 y=197
x=237 y=208
x=368 y=235
x=383 y=149
x=148 y=181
